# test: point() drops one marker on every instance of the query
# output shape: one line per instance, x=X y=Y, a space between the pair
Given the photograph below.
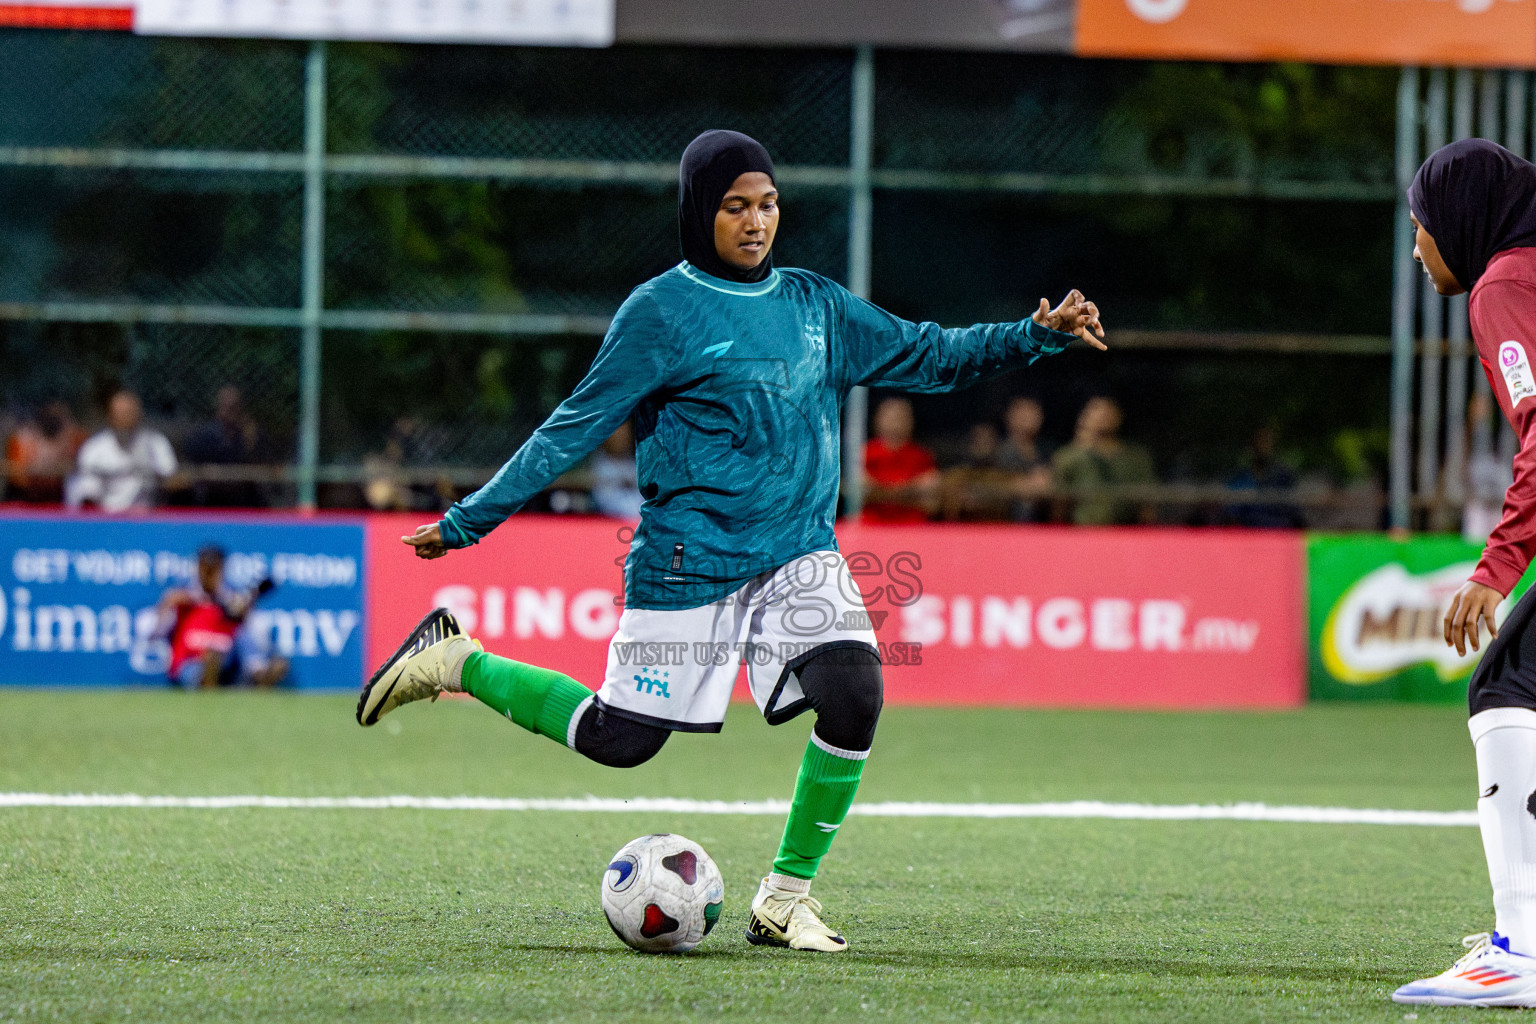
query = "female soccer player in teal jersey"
x=735 y=374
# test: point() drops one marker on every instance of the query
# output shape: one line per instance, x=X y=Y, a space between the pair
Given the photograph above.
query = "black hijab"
x=710 y=164
x=1476 y=199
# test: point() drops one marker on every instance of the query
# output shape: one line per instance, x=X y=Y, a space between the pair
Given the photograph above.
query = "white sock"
x=459 y=650
x=1505 y=741
x=780 y=883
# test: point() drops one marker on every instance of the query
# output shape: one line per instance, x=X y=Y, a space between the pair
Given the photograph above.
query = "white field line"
x=772 y=808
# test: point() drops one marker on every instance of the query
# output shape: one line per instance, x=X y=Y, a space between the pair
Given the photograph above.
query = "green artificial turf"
x=404 y=915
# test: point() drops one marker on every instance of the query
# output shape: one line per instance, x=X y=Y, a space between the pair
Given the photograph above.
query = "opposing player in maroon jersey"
x=1474 y=210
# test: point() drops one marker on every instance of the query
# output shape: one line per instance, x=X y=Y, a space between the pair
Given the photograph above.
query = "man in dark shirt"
x=1098 y=459
x=231 y=438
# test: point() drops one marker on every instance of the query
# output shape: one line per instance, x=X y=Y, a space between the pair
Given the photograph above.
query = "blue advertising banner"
x=78 y=596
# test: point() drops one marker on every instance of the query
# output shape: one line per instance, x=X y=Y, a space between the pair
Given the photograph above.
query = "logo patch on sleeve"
x=1517 y=372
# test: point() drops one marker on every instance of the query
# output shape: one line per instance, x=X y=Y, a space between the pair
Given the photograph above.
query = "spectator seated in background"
x=41 y=454
x=209 y=644
x=1488 y=476
x=231 y=438
x=1097 y=458
x=901 y=482
x=125 y=466
x=1264 y=472
x=978 y=489
x=1024 y=456
x=387 y=488
x=615 y=487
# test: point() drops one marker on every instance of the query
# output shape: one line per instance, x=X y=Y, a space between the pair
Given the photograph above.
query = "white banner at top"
x=526 y=22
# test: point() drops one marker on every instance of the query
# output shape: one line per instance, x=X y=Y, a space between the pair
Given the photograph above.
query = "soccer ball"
x=662 y=894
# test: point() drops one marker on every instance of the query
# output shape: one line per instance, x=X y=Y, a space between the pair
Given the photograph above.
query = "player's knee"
x=864 y=693
x=847 y=690
x=624 y=757
x=617 y=742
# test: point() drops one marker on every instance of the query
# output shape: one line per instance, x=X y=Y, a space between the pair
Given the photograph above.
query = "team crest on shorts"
x=1516 y=369
x=651 y=682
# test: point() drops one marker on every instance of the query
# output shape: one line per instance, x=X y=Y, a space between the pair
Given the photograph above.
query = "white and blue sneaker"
x=1488 y=975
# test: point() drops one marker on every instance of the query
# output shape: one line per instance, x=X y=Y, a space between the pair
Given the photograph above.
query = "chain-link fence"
x=409 y=253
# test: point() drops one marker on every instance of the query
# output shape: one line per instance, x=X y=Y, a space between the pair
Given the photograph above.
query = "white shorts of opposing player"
x=677 y=669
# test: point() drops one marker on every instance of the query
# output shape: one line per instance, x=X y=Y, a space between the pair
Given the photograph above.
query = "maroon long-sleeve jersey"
x=1503 y=313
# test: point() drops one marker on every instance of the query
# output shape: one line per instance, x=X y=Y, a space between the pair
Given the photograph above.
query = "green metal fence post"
x=1456 y=350
x=313 y=272
x=1404 y=280
x=1431 y=321
x=860 y=241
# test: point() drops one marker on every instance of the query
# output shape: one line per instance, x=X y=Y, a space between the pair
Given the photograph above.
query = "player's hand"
x=428 y=542
x=1076 y=315
x=1472 y=606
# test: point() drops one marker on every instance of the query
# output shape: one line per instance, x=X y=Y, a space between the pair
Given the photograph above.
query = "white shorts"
x=676 y=669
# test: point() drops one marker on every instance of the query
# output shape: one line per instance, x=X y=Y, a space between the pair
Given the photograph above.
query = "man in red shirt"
x=901 y=482
x=208 y=643
x=1474 y=211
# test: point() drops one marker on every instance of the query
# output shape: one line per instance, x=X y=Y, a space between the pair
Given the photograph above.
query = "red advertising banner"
x=542 y=589
x=965 y=614
x=1499 y=33
x=116 y=15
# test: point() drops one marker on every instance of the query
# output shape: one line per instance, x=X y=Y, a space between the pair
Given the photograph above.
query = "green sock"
x=540 y=700
x=823 y=793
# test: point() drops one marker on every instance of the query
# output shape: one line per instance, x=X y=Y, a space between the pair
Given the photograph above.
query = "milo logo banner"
x=1375 y=613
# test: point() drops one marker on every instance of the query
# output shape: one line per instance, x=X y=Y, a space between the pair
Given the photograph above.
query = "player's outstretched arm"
x=1076 y=315
x=428 y=541
x=882 y=350
x=636 y=358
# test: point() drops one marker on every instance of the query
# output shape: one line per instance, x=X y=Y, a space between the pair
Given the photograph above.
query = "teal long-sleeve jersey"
x=736 y=392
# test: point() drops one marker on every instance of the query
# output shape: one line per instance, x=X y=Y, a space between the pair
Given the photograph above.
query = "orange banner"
x=1486 y=33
